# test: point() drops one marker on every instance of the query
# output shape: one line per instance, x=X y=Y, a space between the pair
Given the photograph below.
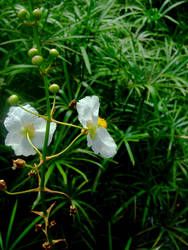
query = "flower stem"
x=45 y=79
x=53 y=106
x=23 y=192
x=51 y=119
x=29 y=111
x=36 y=149
x=67 y=124
x=35 y=30
x=38 y=190
x=56 y=155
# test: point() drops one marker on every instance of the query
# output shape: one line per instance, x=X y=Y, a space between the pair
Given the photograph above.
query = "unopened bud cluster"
x=23 y=13
x=37 y=59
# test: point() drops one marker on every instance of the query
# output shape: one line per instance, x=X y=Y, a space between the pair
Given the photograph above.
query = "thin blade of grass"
x=86 y=59
x=11 y=224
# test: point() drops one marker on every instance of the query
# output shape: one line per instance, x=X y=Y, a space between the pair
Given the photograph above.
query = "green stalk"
x=44 y=151
x=35 y=30
x=45 y=79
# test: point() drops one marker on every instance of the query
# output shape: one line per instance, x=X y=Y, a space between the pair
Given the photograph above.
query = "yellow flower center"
x=102 y=123
x=93 y=128
x=28 y=129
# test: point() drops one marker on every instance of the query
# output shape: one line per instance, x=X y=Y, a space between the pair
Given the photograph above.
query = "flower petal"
x=16 y=120
x=19 y=144
x=18 y=117
x=88 y=109
x=40 y=126
x=103 y=143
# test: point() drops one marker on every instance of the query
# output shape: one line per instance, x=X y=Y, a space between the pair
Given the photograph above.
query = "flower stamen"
x=101 y=122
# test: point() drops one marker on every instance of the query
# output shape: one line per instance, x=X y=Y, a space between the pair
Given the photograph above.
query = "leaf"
x=125 y=204
x=86 y=59
x=24 y=232
x=1 y=242
x=129 y=151
x=62 y=172
x=75 y=169
x=11 y=224
x=128 y=245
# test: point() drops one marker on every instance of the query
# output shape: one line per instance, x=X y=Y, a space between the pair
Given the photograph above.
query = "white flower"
x=98 y=137
x=20 y=122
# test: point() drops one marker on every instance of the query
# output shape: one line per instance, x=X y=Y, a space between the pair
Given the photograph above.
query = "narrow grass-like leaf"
x=75 y=169
x=11 y=224
x=125 y=204
x=86 y=59
x=106 y=9
x=24 y=232
x=12 y=41
x=109 y=236
x=128 y=245
x=62 y=172
x=1 y=242
x=129 y=151
x=146 y=210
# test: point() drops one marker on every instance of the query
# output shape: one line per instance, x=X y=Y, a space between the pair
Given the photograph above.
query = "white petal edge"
x=19 y=144
x=103 y=143
x=17 y=117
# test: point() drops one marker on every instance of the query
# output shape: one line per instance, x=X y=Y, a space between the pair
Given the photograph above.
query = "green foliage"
x=134 y=56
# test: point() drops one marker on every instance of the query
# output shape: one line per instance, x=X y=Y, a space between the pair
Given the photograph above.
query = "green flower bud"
x=54 y=88
x=37 y=60
x=33 y=52
x=3 y=185
x=13 y=100
x=53 y=52
x=22 y=13
x=37 y=13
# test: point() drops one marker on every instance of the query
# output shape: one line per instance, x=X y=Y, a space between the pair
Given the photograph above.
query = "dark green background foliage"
x=134 y=56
